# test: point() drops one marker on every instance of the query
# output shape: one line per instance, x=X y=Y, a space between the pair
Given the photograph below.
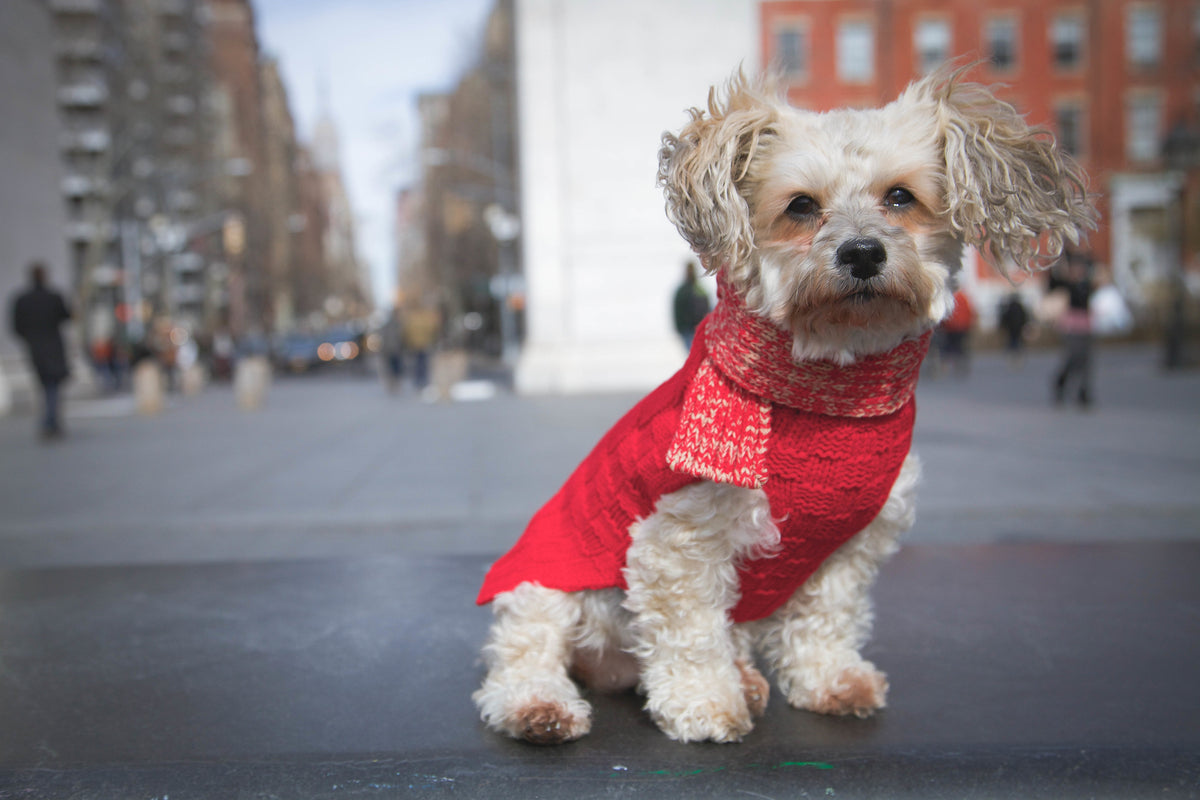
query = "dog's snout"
x=863 y=256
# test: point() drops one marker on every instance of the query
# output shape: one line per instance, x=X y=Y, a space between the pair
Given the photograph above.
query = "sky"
x=366 y=61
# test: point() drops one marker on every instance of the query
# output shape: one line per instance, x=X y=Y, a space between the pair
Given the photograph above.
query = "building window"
x=1069 y=124
x=792 y=49
x=1066 y=37
x=1143 y=126
x=931 y=41
x=1143 y=36
x=1000 y=38
x=856 y=51
x=1196 y=33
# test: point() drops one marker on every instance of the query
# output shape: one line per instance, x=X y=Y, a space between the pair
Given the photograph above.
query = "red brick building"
x=1110 y=78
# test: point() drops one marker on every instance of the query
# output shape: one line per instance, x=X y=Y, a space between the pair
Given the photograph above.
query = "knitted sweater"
x=826 y=466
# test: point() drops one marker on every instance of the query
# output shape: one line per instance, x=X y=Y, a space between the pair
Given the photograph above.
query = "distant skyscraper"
x=351 y=284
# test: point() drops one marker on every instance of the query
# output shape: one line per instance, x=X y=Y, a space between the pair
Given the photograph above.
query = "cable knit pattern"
x=724 y=432
x=824 y=442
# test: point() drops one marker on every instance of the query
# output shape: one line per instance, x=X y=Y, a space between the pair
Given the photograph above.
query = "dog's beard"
x=833 y=315
x=829 y=300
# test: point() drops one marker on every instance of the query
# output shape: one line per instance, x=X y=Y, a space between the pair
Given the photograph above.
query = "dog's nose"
x=863 y=256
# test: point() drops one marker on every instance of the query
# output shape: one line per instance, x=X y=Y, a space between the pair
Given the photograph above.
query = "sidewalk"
x=333 y=466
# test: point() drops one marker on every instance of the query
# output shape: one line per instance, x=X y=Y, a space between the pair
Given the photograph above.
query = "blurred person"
x=691 y=305
x=954 y=334
x=252 y=370
x=104 y=360
x=146 y=378
x=36 y=317
x=1072 y=277
x=392 y=349
x=222 y=353
x=163 y=349
x=1109 y=312
x=421 y=326
x=1014 y=319
x=191 y=372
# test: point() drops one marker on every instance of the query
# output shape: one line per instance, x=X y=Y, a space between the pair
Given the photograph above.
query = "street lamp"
x=504 y=226
x=1181 y=154
x=169 y=235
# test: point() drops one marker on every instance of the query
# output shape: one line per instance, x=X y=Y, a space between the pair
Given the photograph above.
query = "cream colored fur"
x=251 y=382
x=149 y=387
x=768 y=195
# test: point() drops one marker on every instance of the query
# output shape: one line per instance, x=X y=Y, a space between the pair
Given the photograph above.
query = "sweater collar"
x=757 y=356
x=745 y=370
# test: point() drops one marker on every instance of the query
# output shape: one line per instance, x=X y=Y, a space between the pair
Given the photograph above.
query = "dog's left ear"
x=1009 y=190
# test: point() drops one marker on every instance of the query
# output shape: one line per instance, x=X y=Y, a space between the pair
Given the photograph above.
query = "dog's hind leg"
x=527 y=693
x=681 y=570
x=755 y=687
x=812 y=642
x=602 y=660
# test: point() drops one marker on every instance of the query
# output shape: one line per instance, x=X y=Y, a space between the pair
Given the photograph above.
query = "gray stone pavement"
x=334 y=467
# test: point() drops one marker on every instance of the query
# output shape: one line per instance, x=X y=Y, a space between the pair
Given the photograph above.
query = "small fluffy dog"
x=747 y=503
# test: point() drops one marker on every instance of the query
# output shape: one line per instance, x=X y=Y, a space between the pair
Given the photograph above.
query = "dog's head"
x=846 y=227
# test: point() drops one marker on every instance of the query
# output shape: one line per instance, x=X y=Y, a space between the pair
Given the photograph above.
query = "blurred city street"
x=245 y=564
x=334 y=467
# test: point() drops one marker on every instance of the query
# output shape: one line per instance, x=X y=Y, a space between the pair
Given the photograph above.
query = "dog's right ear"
x=701 y=168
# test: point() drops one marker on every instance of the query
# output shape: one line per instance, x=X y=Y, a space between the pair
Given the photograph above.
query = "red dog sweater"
x=824 y=442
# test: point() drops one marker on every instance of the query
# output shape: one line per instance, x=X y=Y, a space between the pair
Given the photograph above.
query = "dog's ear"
x=1009 y=190
x=701 y=168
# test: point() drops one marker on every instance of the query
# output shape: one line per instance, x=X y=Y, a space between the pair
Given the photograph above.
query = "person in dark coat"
x=690 y=305
x=37 y=315
x=1073 y=275
x=1014 y=319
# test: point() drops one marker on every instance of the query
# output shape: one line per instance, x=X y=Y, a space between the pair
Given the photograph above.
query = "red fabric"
x=962 y=316
x=757 y=356
x=826 y=478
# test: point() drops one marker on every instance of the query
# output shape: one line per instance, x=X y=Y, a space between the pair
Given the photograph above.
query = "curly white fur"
x=769 y=195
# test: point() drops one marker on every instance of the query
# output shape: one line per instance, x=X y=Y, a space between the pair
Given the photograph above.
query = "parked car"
x=341 y=344
x=297 y=352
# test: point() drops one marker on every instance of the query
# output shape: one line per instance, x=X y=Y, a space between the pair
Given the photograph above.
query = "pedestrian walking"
x=392 y=346
x=691 y=305
x=1014 y=319
x=421 y=328
x=953 y=336
x=1072 y=277
x=36 y=317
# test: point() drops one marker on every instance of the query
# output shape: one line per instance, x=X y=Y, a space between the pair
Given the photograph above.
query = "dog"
x=746 y=505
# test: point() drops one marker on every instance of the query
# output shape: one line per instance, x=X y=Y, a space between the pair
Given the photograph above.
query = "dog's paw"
x=549 y=723
x=543 y=714
x=859 y=689
x=707 y=722
x=702 y=714
x=755 y=689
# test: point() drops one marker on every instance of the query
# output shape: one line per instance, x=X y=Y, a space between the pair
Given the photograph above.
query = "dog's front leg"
x=527 y=693
x=681 y=571
x=812 y=642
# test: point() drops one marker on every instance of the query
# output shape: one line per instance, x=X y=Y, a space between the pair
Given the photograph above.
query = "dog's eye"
x=802 y=206
x=898 y=197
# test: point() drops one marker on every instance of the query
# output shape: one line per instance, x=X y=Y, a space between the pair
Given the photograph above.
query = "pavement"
x=212 y=603
x=333 y=466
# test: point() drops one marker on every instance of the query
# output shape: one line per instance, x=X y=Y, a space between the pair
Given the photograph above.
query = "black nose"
x=863 y=256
